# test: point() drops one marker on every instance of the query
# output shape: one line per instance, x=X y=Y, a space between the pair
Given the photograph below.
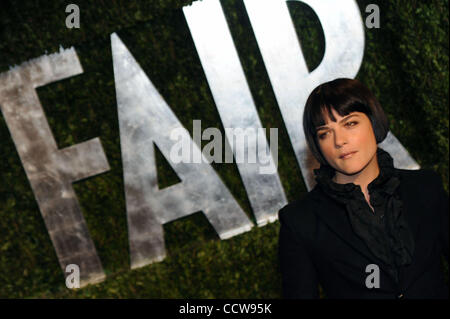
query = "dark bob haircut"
x=344 y=96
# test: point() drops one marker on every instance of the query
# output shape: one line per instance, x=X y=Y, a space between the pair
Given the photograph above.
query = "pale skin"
x=352 y=133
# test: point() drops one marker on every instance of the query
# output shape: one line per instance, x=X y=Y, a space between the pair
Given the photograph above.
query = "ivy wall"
x=405 y=64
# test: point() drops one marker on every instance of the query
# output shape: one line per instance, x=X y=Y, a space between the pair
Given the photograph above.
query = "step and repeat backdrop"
x=147 y=146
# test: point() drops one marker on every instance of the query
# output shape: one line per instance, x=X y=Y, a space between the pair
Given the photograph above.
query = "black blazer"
x=318 y=245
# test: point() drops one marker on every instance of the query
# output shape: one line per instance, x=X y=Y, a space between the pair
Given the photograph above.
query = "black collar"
x=386 y=182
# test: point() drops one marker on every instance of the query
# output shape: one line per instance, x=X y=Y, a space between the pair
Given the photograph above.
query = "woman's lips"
x=347 y=155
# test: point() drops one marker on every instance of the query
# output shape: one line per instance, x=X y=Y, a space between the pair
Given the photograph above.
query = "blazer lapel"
x=410 y=212
x=337 y=220
x=335 y=217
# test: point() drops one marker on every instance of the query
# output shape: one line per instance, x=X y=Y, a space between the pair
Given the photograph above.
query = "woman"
x=367 y=229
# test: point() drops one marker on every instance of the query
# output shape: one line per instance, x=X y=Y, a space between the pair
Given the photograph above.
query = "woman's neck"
x=363 y=178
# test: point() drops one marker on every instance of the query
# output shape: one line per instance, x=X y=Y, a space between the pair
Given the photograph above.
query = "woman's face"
x=349 y=144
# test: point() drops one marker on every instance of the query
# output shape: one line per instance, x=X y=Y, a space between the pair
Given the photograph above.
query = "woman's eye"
x=351 y=123
x=323 y=135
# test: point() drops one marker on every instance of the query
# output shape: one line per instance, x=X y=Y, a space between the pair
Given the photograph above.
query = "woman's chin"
x=350 y=171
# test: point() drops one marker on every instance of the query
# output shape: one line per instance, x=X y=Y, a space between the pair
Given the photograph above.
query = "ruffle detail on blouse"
x=384 y=230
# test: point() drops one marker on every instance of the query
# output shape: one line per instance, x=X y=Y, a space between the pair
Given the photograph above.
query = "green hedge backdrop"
x=406 y=64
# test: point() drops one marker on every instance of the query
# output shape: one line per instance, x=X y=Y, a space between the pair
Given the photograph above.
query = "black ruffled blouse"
x=384 y=230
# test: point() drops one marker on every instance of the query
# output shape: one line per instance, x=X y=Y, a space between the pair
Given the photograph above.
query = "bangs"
x=319 y=114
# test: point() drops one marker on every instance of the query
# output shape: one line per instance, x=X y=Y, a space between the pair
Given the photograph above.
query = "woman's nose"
x=340 y=138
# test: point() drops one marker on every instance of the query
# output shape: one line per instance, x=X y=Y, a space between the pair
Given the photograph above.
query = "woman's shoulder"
x=418 y=173
x=301 y=209
x=420 y=177
x=423 y=185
